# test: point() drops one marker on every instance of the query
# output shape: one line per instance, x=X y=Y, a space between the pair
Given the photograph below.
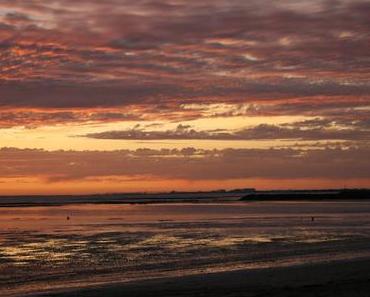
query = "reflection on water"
x=40 y=247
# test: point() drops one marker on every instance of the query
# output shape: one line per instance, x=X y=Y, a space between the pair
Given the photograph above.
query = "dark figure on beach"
x=68 y=218
x=312 y=219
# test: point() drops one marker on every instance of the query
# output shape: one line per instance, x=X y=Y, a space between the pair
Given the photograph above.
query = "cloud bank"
x=189 y=163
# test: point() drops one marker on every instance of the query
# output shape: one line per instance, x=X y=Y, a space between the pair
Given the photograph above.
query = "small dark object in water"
x=68 y=218
x=312 y=219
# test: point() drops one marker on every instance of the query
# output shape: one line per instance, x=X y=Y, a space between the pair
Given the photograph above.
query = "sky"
x=101 y=96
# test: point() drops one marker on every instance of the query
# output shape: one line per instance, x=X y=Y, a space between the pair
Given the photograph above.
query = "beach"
x=185 y=249
x=340 y=279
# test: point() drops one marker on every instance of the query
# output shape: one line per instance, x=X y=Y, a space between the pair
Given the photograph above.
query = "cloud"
x=316 y=129
x=189 y=164
x=35 y=118
x=99 y=61
x=114 y=53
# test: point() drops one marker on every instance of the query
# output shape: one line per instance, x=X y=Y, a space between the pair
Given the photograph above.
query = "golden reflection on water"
x=174 y=242
x=61 y=250
x=53 y=251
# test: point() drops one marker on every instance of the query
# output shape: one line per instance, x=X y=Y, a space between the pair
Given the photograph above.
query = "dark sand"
x=339 y=279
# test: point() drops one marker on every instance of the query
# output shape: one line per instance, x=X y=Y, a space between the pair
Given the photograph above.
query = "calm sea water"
x=41 y=249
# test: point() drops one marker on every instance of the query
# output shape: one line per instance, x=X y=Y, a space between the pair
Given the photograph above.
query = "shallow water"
x=41 y=249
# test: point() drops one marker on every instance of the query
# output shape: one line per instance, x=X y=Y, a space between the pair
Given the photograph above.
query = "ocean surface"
x=53 y=247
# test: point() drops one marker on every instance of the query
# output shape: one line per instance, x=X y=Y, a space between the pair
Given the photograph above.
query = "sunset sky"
x=158 y=95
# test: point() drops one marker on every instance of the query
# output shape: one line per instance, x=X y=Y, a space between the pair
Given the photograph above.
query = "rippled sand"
x=40 y=249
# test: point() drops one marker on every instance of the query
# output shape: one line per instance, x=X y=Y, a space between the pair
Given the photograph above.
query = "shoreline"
x=334 y=278
x=248 y=195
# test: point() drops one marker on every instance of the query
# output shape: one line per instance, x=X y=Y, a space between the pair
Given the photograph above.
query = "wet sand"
x=223 y=249
x=341 y=278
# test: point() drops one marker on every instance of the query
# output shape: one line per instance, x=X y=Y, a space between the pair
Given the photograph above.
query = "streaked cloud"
x=318 y=129
x=107 y=53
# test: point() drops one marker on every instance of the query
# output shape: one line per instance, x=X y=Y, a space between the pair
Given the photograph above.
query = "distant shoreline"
x=299 y=195
x=242 y=195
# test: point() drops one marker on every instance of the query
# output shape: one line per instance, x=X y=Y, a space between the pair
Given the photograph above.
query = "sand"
x=340 y=278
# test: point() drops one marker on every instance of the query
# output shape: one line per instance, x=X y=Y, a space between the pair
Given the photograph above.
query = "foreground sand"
x=341 y=278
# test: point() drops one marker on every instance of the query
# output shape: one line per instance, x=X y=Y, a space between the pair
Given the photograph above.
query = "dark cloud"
x=317 y=129
x=33 y=119
x=128 y=92
x=68 y=54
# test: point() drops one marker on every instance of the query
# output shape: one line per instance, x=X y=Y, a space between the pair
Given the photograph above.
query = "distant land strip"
x=294 y=195
x=124 y=198
x=245 y=195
